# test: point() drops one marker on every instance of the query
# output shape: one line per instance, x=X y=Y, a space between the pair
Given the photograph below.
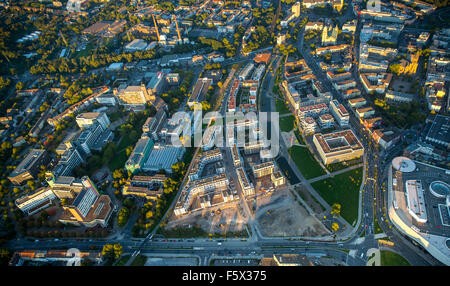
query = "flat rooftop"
x=440 y=129
x=338 y=141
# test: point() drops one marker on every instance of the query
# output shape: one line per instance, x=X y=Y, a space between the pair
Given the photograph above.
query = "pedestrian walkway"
x=374 y=257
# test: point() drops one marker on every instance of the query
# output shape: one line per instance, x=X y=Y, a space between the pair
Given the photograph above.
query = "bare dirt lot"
x=282 y=215
x=213 y=220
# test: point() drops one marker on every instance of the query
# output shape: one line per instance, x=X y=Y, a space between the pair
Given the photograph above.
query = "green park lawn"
x=123 y=260
x=85 y=52
x=287 y=123
x=344 y=190
x=389 y=258
x=114 y=116
x=281 y=107
x=305 y=162
x=342 y=165
x=139 y=260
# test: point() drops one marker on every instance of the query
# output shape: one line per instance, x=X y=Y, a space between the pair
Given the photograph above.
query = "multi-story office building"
x=88 y=137
x=89 y=208
x=134 y=97
x=29 y=167
x=64 y=187
x=70 y=159
x=139 y=155
x=87 y=119
x=33 y=203
x=338 y=146
x=149 y=187
x=153 y=125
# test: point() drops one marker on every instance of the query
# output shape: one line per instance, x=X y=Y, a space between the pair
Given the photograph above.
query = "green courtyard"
x=344 y=190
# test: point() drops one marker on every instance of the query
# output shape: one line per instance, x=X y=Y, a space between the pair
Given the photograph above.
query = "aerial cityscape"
x=225 y=133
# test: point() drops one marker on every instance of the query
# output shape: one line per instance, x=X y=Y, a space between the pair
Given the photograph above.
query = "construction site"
x=216 y=220
x=280 y=215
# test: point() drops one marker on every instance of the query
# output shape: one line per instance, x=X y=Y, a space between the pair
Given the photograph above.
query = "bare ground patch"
x=213 y=220
x=284 y=216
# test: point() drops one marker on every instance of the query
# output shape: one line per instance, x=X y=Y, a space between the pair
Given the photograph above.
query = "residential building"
x=386 y=138
x=309 y=125
x=357 y=102
x=339 y=112
x=364 y=112
x=326 y=121
x=263 y=169
x=246 y=186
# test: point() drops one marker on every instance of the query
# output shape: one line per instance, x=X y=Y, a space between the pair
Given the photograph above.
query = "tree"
x=118 y=174
x=19 y=85
x=148 y=214
x=123 y=216
x=336 y=209
x=335 y=226
x=31 y=185
x=5 y=256
x=118 y=249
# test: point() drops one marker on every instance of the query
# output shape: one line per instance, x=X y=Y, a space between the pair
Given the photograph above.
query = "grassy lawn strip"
x=377 y=227
x=389 y=258
x=305 y=162
x=139 y=260
x=299 y=137
x=287 y=123
x=342 y=165
x=124 y=259
x=198 y=232
x=281 y=107
x=344 y=190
